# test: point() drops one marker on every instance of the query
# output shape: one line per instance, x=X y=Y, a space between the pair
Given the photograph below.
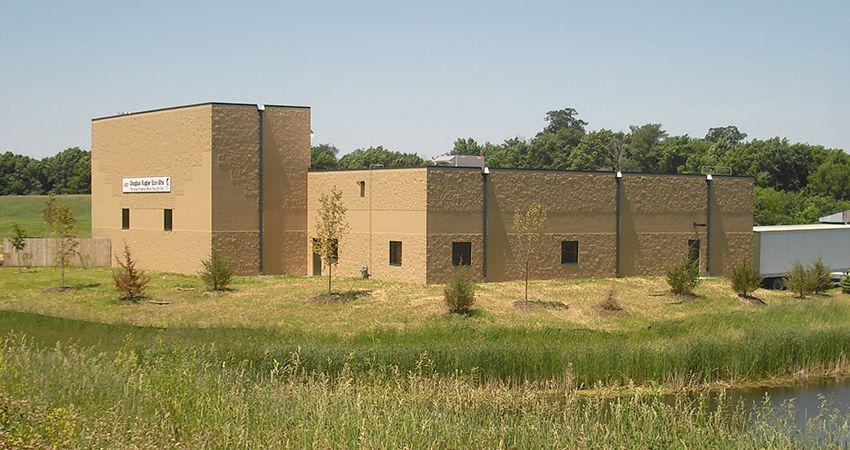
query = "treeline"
x=795 y=183
x=67 y=172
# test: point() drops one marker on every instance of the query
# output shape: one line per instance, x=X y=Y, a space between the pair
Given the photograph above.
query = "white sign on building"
x=147 y=184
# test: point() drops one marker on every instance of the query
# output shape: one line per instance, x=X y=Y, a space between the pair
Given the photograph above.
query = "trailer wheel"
x=777 y=284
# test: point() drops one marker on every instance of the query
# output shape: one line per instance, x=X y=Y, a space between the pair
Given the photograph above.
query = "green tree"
x=331 y=228
x=466 y=146
x=217 y=271
x=832 y=177
x=69 y=171
x=563 y=119
x=363 y=158
x=729 y=134
x=129 y=281
x=324 y=156
x=643 y=146
x=798 y=280
x=19 y=234
x=593 y=153
x=683 y=277
x=459 y=293
x=745 y=279
x=528 y=228
x=63 y=227
x=818 y=273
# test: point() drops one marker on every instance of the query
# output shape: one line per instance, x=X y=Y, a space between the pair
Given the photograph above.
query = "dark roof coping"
x=195 y=105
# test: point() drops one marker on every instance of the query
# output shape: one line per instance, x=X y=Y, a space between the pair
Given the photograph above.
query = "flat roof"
x=194 y=105
x=805 y=227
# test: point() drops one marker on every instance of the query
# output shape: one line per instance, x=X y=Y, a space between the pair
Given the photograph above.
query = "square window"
x=569 y=252
x=461 y=253
x=125 y=219
x=166 y=220
x=395 y=253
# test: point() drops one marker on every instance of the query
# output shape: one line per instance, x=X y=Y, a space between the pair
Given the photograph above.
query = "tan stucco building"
x=598 y=224
x=239 y=181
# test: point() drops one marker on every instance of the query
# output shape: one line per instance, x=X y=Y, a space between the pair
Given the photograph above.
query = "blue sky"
x=415 y=76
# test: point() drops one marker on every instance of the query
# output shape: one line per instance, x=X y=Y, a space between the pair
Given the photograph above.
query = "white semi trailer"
x=777 y=247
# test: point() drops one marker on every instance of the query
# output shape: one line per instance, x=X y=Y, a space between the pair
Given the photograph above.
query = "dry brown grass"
x=284 y=301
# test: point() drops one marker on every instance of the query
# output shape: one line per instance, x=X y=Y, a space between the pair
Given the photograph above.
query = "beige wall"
x=212 y=154
x=398 y=213
x=731 y=224
x=286 y=158
x=455 y=214
x=579 y=206
x=657 y=220
x=175 y=143
x=235 y=185
x=430 y=208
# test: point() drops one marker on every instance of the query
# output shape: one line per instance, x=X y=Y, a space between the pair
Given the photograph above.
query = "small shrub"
x=798 y=280
x=609 y=303
x=460 y=292
x=684 y=276
x=845 y=284
x=819 y=275
x=217 y=271
x=128 y=280
x=745 y=279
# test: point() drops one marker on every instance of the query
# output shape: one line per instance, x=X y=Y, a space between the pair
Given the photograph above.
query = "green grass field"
x=263 y=366
x=26 y=210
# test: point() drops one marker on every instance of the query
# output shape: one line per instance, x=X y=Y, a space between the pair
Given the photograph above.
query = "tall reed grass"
x=172 y=395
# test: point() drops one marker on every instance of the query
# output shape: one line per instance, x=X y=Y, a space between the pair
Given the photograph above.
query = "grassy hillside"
x=26 y=210
x=559 y=337
x=266 y=366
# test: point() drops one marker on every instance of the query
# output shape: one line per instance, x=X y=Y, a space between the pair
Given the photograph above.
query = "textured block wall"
x=235 y=185
x=390 y=206
x=286 y=158
x=173 y=142
x=579 y=206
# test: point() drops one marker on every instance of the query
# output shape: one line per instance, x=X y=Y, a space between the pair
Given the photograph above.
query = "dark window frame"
x=569 y=252
x=125 y=218
x=459 y=249
x=693 y=249
x=395 y=253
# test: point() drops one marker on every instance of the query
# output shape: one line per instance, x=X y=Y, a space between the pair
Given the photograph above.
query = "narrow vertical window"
x=569 y=252
x=461 y=253
x=395 y=253
x=693 y=248
x=125 y=219
x=166 y=220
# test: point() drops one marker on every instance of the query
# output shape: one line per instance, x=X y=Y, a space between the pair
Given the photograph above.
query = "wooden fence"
x=39 y=252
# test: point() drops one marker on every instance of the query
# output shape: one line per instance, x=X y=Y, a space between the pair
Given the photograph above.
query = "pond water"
x=810 y=410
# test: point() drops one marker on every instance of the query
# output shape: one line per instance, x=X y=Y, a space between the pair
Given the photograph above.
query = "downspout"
x=619 y=178
x=260 y=109
x=708 y=226
x=484 y=174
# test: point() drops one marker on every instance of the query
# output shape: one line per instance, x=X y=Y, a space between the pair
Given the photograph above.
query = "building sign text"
x=147 y=184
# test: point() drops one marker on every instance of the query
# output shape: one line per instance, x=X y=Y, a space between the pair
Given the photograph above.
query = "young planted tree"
x=745 y=279
x=330 y=229
x=798 y=280
x=19 y=233
x=63 y=227
x=129 y=281
x=460 y=291
x=819 y=275
x=527 y=227
x=683 y=277
x=217 y=271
